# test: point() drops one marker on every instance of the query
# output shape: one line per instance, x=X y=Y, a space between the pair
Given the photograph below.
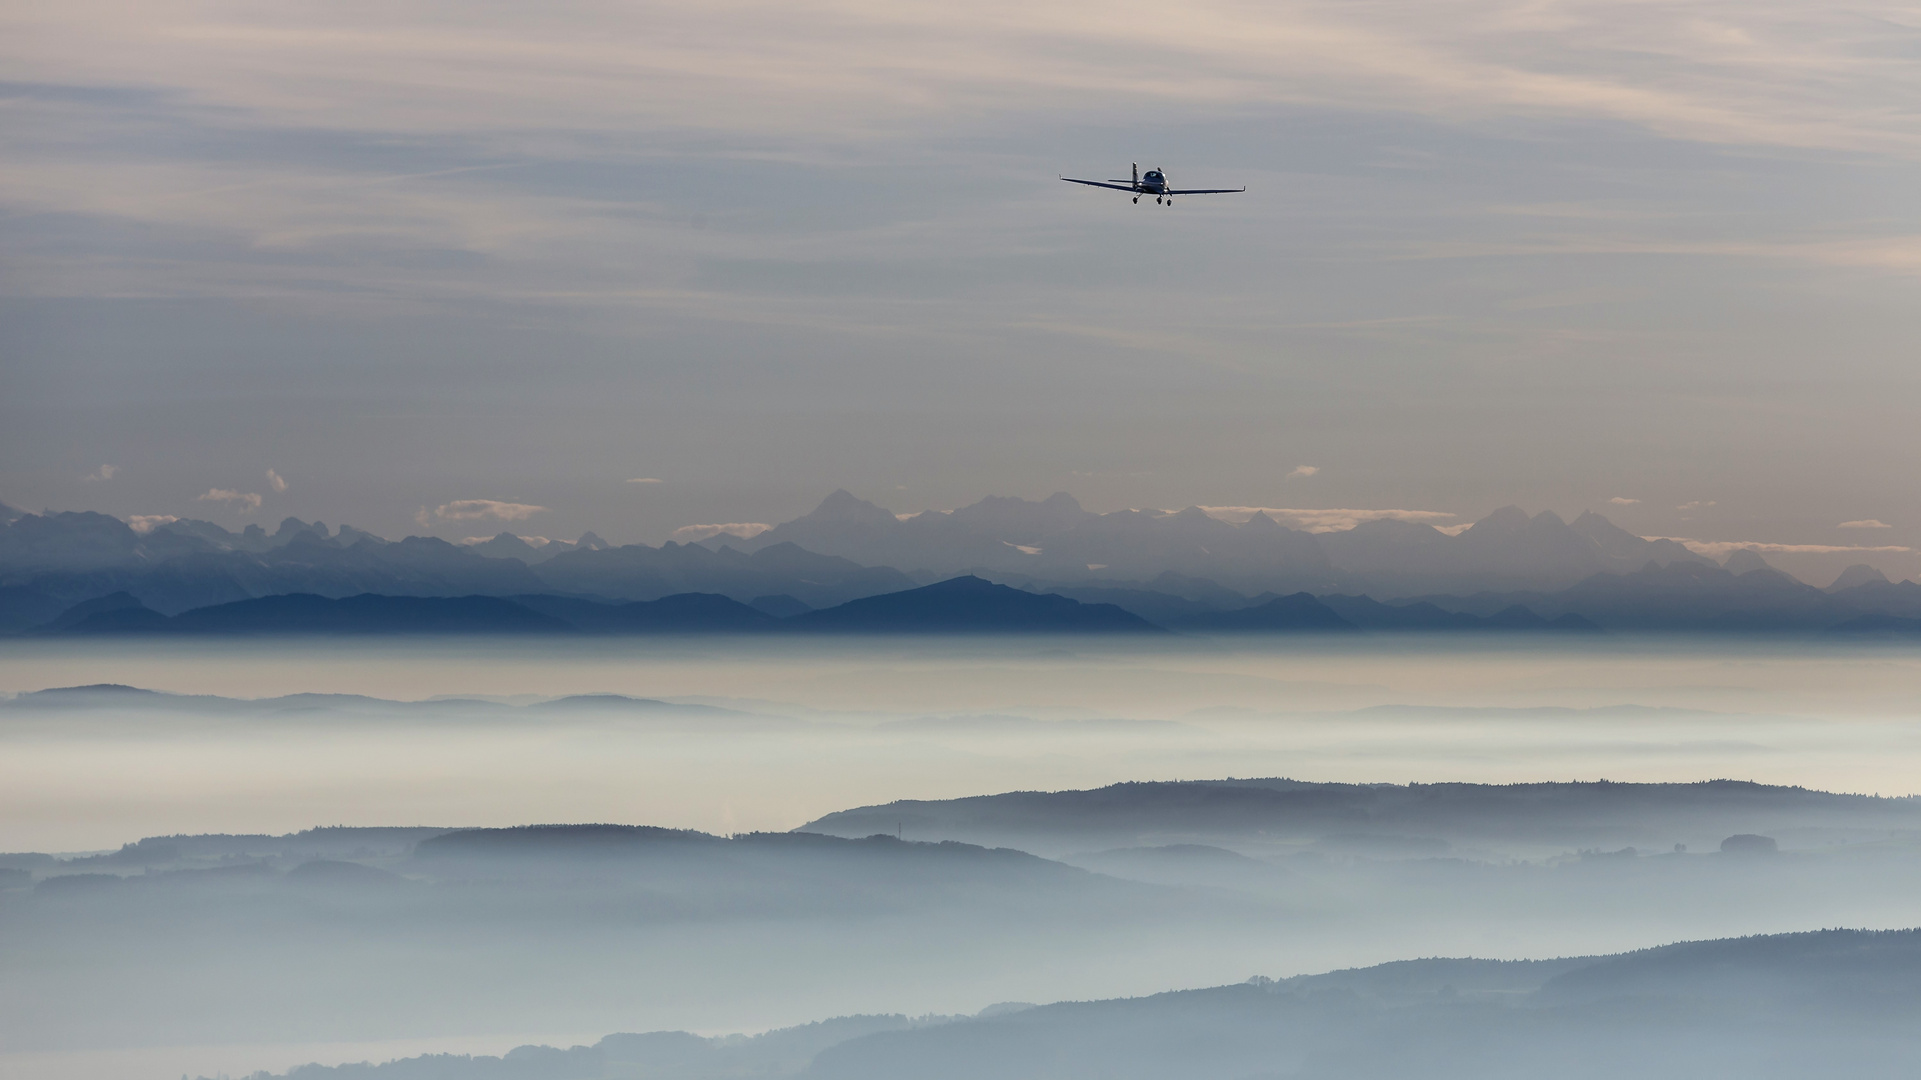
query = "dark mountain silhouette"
x=638 y=572
x=300 y=613
x=1299 y=612
x=779 y=605
x=960 y=606
x=115 y=613
x=1517 y=617
x=686 y=613
x=1231 y=812
x=1158 y=607
x=690 y=613
x=969 y=605
x=1681 y=596
x=22 y=608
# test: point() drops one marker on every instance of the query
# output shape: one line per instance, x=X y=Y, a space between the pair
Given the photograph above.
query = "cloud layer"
x=486 y=509
x=245 y=502
x=690 y=534
x=1320 y=521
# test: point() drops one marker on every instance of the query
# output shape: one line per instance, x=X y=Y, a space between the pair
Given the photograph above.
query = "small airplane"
x=1155 y=184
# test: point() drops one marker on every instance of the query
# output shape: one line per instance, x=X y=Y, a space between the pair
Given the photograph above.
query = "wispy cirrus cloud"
x=1302 y=471
x=740 y=530
x=244 y=502
x=104 y=472
x=1619 y=500
x=1721 y=549
x=1320 y=521
x=485 y=510
x=1864 y=523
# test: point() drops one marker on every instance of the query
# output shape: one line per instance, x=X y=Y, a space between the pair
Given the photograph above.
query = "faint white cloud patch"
x=245 y=502
x=146 y=523
x=485 y=509
x=1303 y=470
x=1697 y=504
x=104 y=472
x=275 y=482
x=740 y=530
x=1721 y=549
x=1864 y=523
x=646 y=480
x=1320 y=521
x=1454 y=530
x=1622 y=500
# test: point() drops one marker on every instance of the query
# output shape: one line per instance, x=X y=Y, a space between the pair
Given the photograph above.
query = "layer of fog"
x=840 y=725
x=92 y=978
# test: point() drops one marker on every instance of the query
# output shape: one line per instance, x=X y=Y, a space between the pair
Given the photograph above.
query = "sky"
x=1660 y=260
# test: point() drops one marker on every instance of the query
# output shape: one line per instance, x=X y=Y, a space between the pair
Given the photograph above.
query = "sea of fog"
x=477 y=733
x=849 y=723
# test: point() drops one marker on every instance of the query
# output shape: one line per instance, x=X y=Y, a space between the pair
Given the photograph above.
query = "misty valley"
x=1207 y=927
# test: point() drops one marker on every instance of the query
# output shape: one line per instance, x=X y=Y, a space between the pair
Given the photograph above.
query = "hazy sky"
x=412 y=252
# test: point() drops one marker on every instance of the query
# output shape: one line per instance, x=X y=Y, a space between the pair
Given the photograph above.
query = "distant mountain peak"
x=1745 y=560
x=1857 y=575
x=1505 y=521
x=844 y=503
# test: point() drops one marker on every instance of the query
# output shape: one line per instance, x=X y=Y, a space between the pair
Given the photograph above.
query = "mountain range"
x=1055 y=539
x=1185 y=571
x=963 y=605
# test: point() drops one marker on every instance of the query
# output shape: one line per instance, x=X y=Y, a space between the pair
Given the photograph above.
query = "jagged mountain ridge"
x=1183 y=569
x=1056 y=539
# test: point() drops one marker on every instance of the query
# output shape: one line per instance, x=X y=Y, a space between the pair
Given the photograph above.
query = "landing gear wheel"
x=1137 y=200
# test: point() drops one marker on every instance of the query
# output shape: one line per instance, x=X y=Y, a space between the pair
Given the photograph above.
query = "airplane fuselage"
x=1152 y=182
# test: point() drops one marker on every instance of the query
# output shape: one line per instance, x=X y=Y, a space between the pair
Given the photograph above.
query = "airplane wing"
x=1120 y=186
x=1208 y=191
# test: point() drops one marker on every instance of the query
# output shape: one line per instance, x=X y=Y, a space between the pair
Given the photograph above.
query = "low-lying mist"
x=810 y=730
x=234 y=935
